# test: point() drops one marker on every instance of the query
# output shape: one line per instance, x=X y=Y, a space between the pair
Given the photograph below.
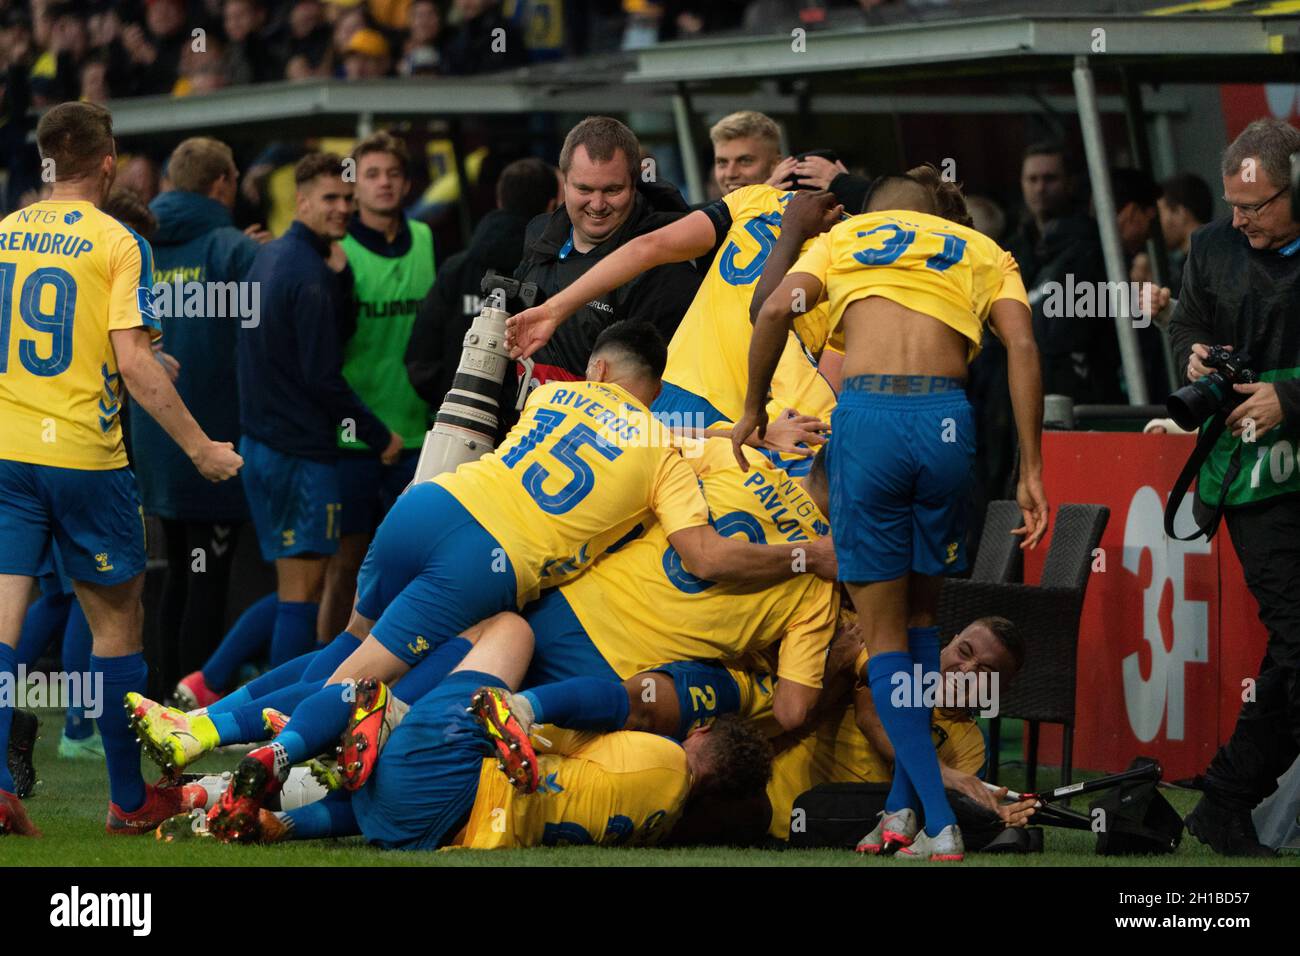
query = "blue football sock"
x=8 y=666
x=580 y=703
x=923 y=644
x=295 y=630
x=76 y=660
x=44 y=620
x=248 y=726
x=331 y=817
x=908 y=727
x=286 y=675
x=317 y=723
x=327 y=660
x=120 y=676
x=249 y=637
x=428 y=673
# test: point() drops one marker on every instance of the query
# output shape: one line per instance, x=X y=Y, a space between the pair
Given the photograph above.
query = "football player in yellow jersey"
x=437 y=783
x=586 y=468
x=668 y=621
x=849 y=744
x=76 y=324
x=912 y=292
x=704 y=380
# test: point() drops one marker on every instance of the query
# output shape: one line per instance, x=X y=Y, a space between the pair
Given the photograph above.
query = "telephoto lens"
x=466 y=425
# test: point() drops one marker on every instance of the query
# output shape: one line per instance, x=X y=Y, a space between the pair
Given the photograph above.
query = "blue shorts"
x=368 y=488
x=431 y=573
x=901 y=469
x=561 y=647
x=675 y=406
x=93 y=517
x=424 y=784
x=705 y=691
x=294 y=501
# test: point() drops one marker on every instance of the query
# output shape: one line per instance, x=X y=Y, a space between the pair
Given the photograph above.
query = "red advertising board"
x=1169 y=631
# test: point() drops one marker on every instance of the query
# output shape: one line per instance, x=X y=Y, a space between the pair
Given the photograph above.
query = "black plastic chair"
x=1047 y=616
x=999 y=557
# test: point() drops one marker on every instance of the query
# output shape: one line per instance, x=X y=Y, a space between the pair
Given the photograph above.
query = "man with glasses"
x=1240 y=290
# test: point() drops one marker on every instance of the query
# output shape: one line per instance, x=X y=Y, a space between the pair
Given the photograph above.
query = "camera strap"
x=1204 y=445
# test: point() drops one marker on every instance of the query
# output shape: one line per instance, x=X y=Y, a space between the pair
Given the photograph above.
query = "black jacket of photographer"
x=1235 y=295
x=659 y=296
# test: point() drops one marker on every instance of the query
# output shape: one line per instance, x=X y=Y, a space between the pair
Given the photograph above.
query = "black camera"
x=1193 y=404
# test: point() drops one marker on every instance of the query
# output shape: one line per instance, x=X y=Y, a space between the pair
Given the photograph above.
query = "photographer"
x=1241 y=289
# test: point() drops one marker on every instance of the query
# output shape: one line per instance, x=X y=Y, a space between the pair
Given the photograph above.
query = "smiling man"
x=609 y=199
x=294 y=400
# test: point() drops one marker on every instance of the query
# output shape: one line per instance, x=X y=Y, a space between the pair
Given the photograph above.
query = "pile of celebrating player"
x=686 y=585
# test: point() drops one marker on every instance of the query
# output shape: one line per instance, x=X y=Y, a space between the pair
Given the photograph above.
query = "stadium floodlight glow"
x=466 y=425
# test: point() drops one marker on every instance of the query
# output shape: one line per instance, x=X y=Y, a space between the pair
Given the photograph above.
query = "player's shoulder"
x=754 y=200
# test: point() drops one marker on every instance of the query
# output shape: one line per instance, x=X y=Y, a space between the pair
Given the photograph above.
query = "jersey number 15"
x=565 y=451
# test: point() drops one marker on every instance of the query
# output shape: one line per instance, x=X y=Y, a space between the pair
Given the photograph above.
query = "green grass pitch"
x=72 y=796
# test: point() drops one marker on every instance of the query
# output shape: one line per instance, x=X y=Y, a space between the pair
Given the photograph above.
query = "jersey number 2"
x=57 y=323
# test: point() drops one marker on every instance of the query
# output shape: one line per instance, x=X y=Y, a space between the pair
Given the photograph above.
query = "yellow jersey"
x=620 y=789
x=709 y=353
x=661 y=613
x=69 y=275
x=586 y=466
x=924 y=263
x=838 y=752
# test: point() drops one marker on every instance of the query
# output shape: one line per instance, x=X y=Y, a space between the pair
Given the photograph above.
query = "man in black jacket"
x=607 y=202
x=1241 y=288
x=525 y=189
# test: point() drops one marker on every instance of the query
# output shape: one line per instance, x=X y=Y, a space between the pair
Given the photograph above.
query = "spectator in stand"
x=56 y=74
x=1079 y=358
x=474 y=45
x=248 y=56
x=366 y=56
x=1185 y=205
x=139 y=174
x=347 y=23
x=201 y=71
x=987 y=216
x=94 y=80
x=305 y=35
x=527 y=188
x=420 y=56
x=197 y=242
x=1136 y=198
x=293 y=400
x=147 y=55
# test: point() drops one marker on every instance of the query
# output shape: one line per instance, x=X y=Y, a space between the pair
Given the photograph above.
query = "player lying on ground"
x=849 y=743
x=911 y=292
x=438 y=783
x=704 y=381
x=664 y=613
x=77 y=325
